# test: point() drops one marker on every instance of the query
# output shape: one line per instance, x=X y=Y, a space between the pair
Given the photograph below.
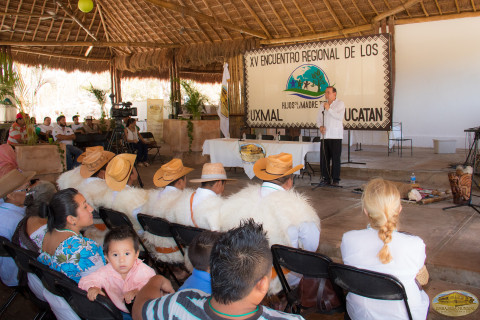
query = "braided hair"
x=381 y=202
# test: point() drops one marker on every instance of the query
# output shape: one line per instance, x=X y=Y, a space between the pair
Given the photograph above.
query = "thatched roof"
x=143 y=36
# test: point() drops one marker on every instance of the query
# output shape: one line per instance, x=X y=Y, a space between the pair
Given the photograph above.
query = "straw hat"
x=274 y=167
x=94 y=161
x=14 y=180
x=118 y=171
x=87 y=151
x=169 y=172
x=213 y=172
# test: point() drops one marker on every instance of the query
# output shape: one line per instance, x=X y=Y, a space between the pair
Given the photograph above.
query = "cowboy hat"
x=212 y=172
x=94 y=161
x=118 y=171
x=275 y=166
x=169 y=172
x=87 y=151
x=13 y=180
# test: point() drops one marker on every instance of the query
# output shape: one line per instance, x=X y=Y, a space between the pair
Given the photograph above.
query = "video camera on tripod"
x=122 y=110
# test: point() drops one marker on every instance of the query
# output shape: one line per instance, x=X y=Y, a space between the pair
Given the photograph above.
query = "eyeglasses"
x=22 y=190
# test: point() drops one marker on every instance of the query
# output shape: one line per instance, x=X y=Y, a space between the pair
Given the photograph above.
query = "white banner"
x=223 y=110
x=285 y=86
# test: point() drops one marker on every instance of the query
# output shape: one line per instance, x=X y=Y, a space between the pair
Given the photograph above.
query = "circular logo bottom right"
x=455 y=303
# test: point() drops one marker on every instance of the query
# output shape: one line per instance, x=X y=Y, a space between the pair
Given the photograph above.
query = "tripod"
x=473 y=152
x=118 y=144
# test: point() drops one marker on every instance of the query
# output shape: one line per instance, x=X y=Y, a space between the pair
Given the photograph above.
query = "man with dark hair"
x=76 y=125
x=65 y=135
x=240 y=265
x=46 y=128
x=330 y=122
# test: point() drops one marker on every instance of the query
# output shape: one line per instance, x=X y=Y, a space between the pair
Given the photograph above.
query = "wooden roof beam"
x=317 y=36
x=58 y=55
x=204 y=17
x=330 y=9
x=395 y=10
x=438 y=17
x=85 y=44
x=255 y=16
x=71 y=15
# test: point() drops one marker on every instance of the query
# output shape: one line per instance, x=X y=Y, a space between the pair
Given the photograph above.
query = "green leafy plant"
x=101 y=96
x=196 y=100
x=190 y=134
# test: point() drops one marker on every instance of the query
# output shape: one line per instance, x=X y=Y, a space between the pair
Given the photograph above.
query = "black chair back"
x=316 y=139
x=100 y=309
x=147 y=135
x=306 y=139
x=368 y=283
x=113 y=218
x=20 y=255
x=3 y=251
x=250 y=136
x=49 y=276
x=267 y=137
x=184 y=235
x=285 y=137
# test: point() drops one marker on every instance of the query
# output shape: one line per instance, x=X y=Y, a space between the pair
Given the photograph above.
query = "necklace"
x=66 y=230
x=229 y=315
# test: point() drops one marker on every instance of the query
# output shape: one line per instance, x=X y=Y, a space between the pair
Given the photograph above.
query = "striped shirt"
x=17 y=134
x=193 y=304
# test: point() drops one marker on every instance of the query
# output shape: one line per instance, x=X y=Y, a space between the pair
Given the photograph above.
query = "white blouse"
x=132 y=135
x=360 y=249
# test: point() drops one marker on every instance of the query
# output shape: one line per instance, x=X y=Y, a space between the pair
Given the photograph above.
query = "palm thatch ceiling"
x=141 y=37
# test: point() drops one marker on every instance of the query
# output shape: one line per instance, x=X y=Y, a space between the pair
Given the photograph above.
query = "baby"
x=124 y=275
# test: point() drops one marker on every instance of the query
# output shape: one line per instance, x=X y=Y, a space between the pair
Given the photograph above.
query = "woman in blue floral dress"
x=64 y=249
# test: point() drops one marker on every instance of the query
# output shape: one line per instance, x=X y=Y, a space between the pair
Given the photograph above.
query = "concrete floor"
x=451 y=237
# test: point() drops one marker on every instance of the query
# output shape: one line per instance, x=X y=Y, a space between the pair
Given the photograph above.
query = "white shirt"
x=66 y=131
x=333 y=119
x=200 y=195
x=132 y=135
x=45 y=128
x=75 y=127
x=360 y=249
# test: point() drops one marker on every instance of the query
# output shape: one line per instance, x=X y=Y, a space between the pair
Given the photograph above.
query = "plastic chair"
x=22 y=258
x=368 y=284
x=161 y=228
x=100 y=309
x=250 y=136
x=113 y=219
x=151 y=143
x=184 y=235
x=4 y=253
x=304 y=138
x=309 y=264
x=396 y=136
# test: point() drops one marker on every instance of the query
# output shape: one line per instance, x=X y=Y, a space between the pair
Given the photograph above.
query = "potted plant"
x=101 y=96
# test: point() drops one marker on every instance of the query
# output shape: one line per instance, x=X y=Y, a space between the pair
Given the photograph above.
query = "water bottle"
x=244 y=136
x=300 y=138
x=413 y=178
x=278 y=136
x=260 y=136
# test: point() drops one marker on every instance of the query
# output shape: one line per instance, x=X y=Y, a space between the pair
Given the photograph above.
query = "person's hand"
x=93 y=292
x=323 y=130
x=130 y=295
x=326 y=106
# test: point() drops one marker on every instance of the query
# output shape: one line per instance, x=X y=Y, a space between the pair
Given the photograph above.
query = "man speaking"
x=330 y=122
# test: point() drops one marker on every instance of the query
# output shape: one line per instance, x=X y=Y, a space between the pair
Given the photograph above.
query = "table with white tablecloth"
x=227 y=151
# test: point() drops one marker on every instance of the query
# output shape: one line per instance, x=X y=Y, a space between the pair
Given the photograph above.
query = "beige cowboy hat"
x=212 y=172
x=118 y=171
x=169 y=172
x=14 y=180
x=275 y=166
x=94 y=161
x=87 y=151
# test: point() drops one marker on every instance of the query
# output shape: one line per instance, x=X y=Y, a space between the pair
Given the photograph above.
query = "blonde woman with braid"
x=382 y=248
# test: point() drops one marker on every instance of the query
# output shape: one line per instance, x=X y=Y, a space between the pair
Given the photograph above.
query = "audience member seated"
x=136 y=142
x=32 y=228
x=8 y=159
x=18 y=131
x=213 y=181
x=13 y=189
x=199 y=252
x=46 y=129
x=382 y=248
x=286 y=215
x=240 y=265
x=89 y=126
x=94 y=162
x=64 y=248
x=121 y=171
x=65 y=135
x=77 y=127
x=124 y=275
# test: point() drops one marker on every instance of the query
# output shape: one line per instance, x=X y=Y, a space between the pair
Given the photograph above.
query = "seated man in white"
x=286 y=215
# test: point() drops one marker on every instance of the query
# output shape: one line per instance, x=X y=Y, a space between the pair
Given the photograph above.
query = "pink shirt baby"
x=111 y=281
